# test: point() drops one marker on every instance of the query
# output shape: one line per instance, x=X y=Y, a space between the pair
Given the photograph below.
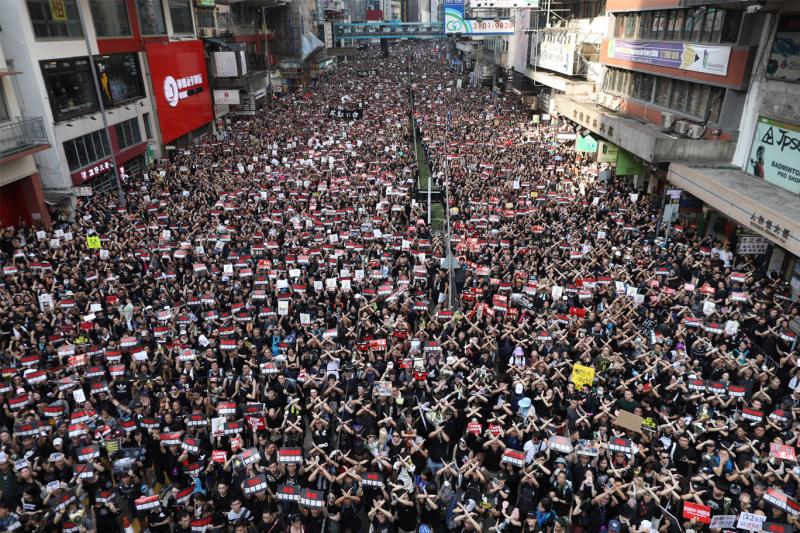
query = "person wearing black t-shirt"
x=684 y=457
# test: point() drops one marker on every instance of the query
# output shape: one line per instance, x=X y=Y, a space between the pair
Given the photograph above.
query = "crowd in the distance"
x=263 y=340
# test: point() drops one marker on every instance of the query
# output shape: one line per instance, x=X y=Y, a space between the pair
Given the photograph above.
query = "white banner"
x=226 y=97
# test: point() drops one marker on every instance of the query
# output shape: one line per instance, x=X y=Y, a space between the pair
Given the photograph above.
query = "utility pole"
x=117 y=177
x=266 y=49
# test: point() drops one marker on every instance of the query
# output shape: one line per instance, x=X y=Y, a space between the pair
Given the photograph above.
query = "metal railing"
x=21 y=134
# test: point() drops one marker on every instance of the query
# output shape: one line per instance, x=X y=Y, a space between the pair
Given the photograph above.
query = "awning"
x=755 y=204
x=223 y=44
x=54 y=196
x=311 y=44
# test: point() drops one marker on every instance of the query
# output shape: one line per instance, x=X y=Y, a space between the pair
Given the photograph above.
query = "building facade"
x=21 y=136
x=139 y=61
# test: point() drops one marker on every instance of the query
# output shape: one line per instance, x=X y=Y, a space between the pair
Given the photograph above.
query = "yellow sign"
x=582 y=375
x=58 y=11
x=93 y=242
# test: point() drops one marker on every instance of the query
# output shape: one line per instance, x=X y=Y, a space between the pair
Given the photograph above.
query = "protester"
x=262 y=338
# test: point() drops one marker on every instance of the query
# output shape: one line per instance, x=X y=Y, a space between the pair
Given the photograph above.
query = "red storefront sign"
x=92 y=171
x=180 y=87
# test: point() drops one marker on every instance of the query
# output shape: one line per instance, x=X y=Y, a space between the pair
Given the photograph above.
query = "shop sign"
x=83 y=191
x=226 y=97
x=183 y=98
x=775 y=154
x=586 y=144
x=92 y=171
x=765 y=225
x=752 y=245
x=784 y=58
x=708 y=59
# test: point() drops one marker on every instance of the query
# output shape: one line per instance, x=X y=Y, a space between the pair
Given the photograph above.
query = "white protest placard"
x=67 y=235
x=722 y=521
x=750 y=521
x=227 y=269
x=54 y=243
x=305 y=319
x=283 y=307
x=317 y=285
x=708 y=307
x=40 y=235
x=294 y=273
x=79 y=396
x=330 y=284
x=45 y=302
x=556 y=292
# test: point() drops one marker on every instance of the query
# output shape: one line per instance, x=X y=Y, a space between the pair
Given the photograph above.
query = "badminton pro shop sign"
x=180 y=86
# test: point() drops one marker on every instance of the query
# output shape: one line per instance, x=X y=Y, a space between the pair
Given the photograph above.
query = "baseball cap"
x=614 y=526
x=58 y=441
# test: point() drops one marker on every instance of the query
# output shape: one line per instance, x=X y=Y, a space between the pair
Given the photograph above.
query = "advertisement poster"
x=708 y=59
x=180 y=87
x=556 y=51
x=784 y=58
x=775 y=154
x=455 y=22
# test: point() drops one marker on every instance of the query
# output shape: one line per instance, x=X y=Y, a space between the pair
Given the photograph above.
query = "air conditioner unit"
x=696 y=131
x=681 y=127
x=667 y=121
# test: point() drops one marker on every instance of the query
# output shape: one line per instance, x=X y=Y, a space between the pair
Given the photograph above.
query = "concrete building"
x=21 y=136
x=152 y=84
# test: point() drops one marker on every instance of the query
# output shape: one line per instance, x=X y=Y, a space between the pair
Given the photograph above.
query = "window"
x=630 y=25
x=645 y=23
x=679 y=89
x=151 y=17
x=205 y=18
x=120 y=78
x=730 y=30
x=146 y=119
x=715 y=103
x=69 y=87
x=128 y=133
x=110 y=18
x=3 y=107
x=662 y=91
x=85 y=150
x=54 y=18
x=698 y=99
x=181 y=14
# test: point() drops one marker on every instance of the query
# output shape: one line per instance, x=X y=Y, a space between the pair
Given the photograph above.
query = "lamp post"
x=99 y=94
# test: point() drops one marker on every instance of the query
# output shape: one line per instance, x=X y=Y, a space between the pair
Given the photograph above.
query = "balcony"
x=22 y=137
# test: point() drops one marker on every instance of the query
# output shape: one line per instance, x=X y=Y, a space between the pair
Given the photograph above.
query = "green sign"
x=628 y=164
x=607 y=152
x=775 y=154
x=205 y=3
x=586 y=144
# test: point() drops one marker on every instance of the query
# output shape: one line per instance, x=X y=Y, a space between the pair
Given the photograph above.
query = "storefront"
x=744 y=208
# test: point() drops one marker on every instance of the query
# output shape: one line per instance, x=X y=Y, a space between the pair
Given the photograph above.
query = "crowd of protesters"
x=262 y=337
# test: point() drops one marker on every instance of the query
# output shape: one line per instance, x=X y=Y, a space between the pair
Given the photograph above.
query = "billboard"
x=775 y=154
x=784 y=58
x=456 y=23
x=226 y=97
x=556 y=51
x=180 y=87
x=708 y=59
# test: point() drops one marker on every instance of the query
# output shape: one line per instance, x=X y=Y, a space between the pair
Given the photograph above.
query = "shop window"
x=663 y=86
x=3 y=106
x=85 y=150
x=54 y=18
x=181 y=14
x=128 y=133
x=151 y=17
x=120 y=78
x=110 y=18
x=70 y=87
x=205 y=18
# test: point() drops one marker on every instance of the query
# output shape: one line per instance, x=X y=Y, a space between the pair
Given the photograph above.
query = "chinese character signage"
x=91 y=172
x=775 y=154
x=784 y=58
x=180 y=86
x=708 y=59
x=455 y=22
